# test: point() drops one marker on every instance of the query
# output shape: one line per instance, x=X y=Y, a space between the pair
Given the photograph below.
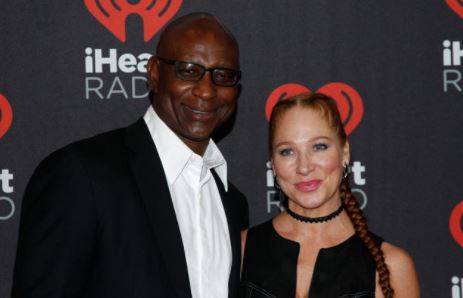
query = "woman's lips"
x=308 y=186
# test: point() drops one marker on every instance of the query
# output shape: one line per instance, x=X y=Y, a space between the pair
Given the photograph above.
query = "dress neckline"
x=342 y=269
x=295 y=243
x=322 y=252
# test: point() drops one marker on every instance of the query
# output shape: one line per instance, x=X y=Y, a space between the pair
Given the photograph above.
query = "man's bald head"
x=194 y=107
x=191 y=26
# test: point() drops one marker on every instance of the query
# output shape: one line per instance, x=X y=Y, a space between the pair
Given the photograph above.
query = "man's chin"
x=197 y=136
x=200 y=133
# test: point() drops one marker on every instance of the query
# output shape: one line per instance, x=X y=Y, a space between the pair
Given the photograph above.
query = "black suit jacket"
x=98 y=221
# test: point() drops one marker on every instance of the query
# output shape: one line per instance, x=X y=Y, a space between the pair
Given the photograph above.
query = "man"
x=144 y=211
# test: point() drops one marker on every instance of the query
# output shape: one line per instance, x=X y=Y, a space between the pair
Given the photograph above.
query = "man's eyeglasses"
x=189 y=71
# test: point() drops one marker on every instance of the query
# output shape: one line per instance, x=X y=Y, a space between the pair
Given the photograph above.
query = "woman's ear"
x=346 y=153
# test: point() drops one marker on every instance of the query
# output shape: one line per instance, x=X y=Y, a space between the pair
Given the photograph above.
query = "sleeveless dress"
x=346 y=270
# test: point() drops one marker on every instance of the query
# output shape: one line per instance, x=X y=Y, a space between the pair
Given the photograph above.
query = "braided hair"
x=328 y=109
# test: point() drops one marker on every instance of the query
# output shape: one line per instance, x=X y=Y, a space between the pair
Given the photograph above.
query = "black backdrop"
x=394 y=66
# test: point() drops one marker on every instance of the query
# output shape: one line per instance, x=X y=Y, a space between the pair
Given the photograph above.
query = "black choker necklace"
x=315 y=219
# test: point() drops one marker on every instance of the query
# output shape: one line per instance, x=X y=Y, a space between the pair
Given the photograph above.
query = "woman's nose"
x=304 y=164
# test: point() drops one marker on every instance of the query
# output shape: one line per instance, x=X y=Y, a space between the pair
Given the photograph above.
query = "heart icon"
x=113 y=13
x=455 y=223
x=456 y=6
x=349 y=101
x=6 y=115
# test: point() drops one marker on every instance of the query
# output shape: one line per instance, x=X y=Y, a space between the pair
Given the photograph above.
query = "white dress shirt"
x=198 y=207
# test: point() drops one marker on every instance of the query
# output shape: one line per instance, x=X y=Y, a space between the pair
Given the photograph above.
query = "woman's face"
x=308 y=160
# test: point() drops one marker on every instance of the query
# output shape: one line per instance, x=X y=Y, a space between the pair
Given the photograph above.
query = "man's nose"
x=205 y=88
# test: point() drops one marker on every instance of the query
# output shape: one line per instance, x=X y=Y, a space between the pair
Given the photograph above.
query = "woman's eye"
x=320 y=147
x=286 y=152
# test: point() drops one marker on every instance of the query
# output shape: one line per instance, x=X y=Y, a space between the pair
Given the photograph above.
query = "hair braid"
x=361 y=229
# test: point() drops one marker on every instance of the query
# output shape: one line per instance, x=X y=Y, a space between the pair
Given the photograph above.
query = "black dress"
x=346 y=270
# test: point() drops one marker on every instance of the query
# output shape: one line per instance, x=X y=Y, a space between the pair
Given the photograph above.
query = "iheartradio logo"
x=455 y=223
x=6 y=115
x=456 y=6
x=113 y=13
x=349 y=102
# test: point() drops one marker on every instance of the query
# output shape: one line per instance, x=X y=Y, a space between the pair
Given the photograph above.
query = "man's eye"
x=189 y=70
x=320 y=147
x=223 y=75
x=286 y=152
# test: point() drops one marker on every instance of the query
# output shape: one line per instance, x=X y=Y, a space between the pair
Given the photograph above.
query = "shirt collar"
x=174 y=154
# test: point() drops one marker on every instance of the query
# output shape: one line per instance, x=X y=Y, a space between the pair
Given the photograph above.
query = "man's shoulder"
x=107 y=143
x=98 y=143
x=97 y=149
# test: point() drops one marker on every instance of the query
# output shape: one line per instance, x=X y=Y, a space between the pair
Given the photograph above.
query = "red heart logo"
x=455 y=223
x=456 y=6
x=349 y=102
x=6 y=115
x=113 y=13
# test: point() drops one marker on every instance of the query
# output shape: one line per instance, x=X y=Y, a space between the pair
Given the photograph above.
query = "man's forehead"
x=195 y=21
x=192 y=28
x=197 y=32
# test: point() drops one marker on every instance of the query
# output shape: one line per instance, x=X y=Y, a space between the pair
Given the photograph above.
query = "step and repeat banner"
x=72 y=69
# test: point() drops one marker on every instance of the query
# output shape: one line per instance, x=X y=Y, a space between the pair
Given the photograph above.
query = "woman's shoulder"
x=263 y=229
x=404 y=279
x=397 y=257
x=262 y=226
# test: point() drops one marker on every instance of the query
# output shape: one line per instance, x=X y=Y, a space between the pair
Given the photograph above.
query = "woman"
x=320 y=246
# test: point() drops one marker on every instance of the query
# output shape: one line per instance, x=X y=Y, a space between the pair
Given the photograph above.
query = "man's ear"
x=152 y=69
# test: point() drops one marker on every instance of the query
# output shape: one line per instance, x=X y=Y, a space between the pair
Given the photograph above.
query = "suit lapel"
x=227 y=201
x=150 y=178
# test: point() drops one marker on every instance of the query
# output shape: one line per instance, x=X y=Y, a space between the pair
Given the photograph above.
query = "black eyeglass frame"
x=211 y=70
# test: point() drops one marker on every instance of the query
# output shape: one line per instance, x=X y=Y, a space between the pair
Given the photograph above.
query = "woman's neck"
x=339 y=228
